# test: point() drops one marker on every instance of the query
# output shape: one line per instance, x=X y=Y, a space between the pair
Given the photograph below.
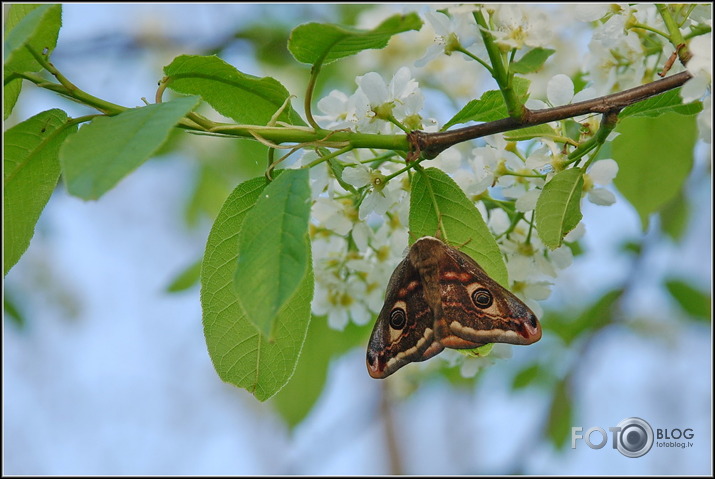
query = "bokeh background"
x=106 y=372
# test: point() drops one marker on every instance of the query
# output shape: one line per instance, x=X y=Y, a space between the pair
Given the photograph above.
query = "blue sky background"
x=111 y=374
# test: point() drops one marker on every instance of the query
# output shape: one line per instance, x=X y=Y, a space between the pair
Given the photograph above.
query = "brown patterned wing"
x=478 y=310
x=403 y=331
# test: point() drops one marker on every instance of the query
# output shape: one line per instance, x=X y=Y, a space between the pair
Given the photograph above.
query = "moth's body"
x=439 y=297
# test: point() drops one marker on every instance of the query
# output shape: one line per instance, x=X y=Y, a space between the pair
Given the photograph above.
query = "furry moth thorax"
x=438 y=297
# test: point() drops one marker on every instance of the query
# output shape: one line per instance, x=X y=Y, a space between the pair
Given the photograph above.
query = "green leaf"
x=669 y=101
x=693 y=301
x=240 y=354
x=526 y=376
x=655 y=156
x=36 y=26
x=186 y=278
x=532 y=61
x=211 y=188
x=674 y=216
x=531 y=132
x=274 y=250
x=11 y=92
x=31 y=170
x=109 y=148
x=569 y=326
x=319 y=43
x=244 y=98
x=558 y=209
x=12 y=312
x=560 y=421
x=27 y=24
x=298 y=397
x=436 y=196
x=490 y=107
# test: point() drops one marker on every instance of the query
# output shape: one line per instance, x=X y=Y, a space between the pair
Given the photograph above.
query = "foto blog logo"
x=633 y=437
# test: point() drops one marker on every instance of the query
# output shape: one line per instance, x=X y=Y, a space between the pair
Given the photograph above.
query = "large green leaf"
x=655 y=156
x=319 y=43
x=31 y=25
x=245 y=98
x=436 y=196
x=558 y=209
x=109 y=148
x=31 y=170
x=274 y=251
x=240 y=353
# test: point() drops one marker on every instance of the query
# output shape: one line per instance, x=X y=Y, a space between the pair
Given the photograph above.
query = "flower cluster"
x=361 y=208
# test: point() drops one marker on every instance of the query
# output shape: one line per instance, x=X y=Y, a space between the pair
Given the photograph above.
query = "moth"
x=439 y=297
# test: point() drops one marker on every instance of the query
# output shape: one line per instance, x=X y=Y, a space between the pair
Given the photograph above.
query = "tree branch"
x=430 y=145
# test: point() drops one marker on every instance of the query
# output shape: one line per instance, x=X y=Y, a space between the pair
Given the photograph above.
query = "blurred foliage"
x=322 y=344
x=696 y=303
x=12 y=311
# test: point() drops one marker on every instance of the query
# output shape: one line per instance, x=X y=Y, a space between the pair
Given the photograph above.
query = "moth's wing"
x=465 y=322
x=390 y=347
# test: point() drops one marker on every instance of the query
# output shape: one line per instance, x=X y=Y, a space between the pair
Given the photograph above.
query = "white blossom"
x=700 y=66
x=601 y=173
x=459 y=29
x=521 y=25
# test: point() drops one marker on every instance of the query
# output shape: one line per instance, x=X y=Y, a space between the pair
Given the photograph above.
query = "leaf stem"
x=307 y=105
x=329 y=156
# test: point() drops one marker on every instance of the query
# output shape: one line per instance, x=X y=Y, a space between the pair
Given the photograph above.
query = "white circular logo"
x=635 y=438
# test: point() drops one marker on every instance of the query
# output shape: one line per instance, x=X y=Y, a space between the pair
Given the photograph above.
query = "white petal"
x=585 y=94
x=361 y=233
x=360 y=314
x=439 y=21
x=589 y=12
x=471 y=366
x=562 y=257
x=603 y=171
x=576 y=233
x=534 y=104
x=374 y=87
x=702 y=50
x=402 y=83
x=339 y=223
x=520 y=267
x=559 y=90
x=695 y=88
x=357 y=176
x=528 y=200
x=499 y=221
x=538 y=291
x=338 y=319
x=333 y=104
x=601 y=196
